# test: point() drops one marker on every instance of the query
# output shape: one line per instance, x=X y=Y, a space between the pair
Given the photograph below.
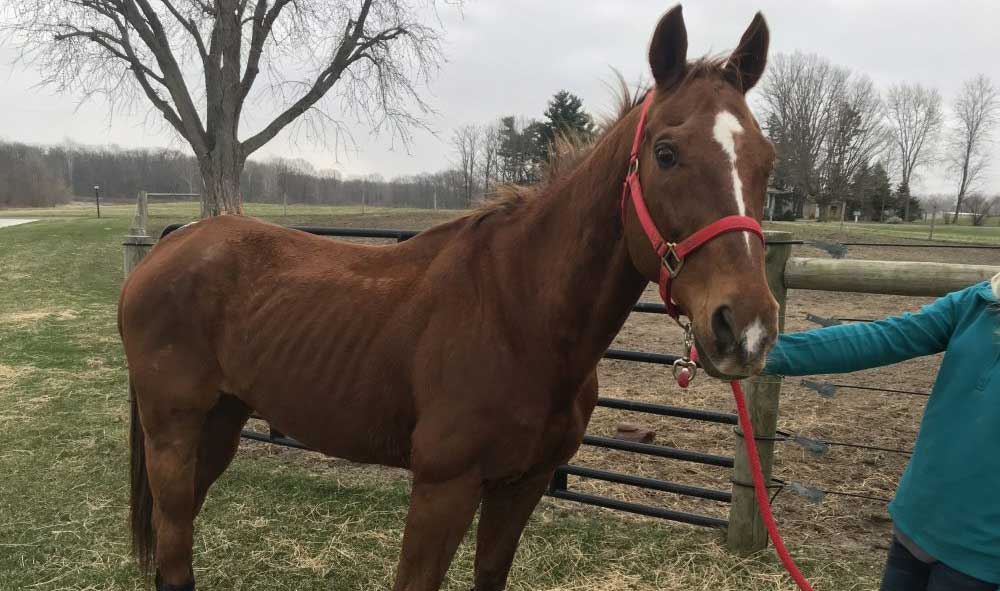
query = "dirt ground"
x=846 y=527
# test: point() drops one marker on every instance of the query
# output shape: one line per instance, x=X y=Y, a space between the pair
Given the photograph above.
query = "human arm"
x=852 y=347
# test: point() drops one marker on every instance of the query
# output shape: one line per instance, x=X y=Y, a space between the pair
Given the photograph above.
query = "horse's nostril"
x=722 y=327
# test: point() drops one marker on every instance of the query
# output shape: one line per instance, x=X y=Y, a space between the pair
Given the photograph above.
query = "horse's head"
x=703 y=157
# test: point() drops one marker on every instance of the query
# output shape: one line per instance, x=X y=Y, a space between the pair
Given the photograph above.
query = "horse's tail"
x=141 y=501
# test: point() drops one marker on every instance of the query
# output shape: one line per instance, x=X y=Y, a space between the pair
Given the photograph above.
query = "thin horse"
x=467 y=354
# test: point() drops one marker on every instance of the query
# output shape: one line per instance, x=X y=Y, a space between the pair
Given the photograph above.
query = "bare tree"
x=915 y=118
x=466 y=143
x=825 y=123
x=489 y=156
x=976 y=111
x=197 y=62
x=981 y=207
x=798 y=96
x=857 y=136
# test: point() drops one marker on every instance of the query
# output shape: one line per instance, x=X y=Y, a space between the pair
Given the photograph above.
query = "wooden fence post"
x=746 y=533
x=138 y=243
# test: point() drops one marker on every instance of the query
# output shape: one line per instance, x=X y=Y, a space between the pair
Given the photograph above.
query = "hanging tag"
x=685 y=371
x=824 y=389
x=810 y=493
x=813 y=446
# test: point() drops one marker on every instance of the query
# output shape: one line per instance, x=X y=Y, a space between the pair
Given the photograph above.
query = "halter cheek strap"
x=672 y=254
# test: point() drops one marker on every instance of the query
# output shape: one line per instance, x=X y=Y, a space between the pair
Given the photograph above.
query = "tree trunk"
x=221 y=176
x=906 y=206
x=964 y=185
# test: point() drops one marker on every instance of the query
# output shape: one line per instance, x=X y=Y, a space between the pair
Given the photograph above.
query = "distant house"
x=834 y=211
x=780 y=202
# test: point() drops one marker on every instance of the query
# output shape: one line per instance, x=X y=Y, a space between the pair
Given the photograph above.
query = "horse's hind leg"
x=504 y=514
x=440 y=513
x=220 y=437
x=174 y=414
x=171 y=460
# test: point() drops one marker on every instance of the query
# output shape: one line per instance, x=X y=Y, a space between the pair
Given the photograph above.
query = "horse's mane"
x=568 y=150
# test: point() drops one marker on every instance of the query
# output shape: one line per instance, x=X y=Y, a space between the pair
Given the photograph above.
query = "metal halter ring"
x=687 y=364
x=672 y=268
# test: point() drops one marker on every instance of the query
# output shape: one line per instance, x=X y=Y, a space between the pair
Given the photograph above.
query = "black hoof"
x=161 y=586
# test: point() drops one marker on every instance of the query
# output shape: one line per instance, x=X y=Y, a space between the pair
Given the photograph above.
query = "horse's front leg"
x=506 y=510
x=440 y=514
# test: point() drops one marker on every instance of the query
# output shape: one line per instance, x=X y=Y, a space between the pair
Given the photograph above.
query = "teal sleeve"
x=852 y=347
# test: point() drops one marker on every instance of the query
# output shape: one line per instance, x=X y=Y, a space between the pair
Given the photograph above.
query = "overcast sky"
x=510 y=56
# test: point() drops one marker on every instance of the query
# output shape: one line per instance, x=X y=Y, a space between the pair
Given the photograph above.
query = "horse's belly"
x=368 y=427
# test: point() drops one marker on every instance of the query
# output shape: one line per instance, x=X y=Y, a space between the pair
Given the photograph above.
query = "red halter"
x=673 y=254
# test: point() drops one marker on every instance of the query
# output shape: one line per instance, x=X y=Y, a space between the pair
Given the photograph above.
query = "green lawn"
x=882 y=232
x=270 y=523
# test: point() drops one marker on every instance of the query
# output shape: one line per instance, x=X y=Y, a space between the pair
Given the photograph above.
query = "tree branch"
x=108 y=42
x=263 y=23
x=190 y=26
x=146 y=22
x=324 y=81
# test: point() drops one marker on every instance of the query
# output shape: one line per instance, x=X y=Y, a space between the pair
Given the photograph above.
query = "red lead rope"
x=672 y=260
x=761 y=491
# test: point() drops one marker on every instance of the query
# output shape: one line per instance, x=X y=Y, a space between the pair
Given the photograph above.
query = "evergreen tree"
x=881 y=193
x=565 y=115
x=521 y=150
x=906 y=202
x=860 y=188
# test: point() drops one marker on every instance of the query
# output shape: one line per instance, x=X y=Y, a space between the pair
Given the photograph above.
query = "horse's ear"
x=668 y=49
x=746 y=64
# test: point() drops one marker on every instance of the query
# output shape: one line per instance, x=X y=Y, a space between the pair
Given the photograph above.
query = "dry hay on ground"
x=10 y=374
x=30 y=317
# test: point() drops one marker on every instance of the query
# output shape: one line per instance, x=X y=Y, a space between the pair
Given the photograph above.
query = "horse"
x=466 y=354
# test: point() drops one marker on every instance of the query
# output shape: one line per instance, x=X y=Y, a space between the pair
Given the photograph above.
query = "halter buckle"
x=673 y=268
x=633 y=167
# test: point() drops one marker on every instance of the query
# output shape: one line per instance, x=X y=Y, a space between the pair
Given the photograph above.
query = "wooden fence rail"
x=884 y=277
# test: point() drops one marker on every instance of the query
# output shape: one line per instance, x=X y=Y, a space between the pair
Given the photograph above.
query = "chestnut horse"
x=467 y=354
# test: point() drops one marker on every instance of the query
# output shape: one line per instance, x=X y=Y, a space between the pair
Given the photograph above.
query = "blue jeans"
x=904 y=572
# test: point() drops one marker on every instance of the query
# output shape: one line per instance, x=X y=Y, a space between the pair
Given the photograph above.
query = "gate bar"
x=649 y=483
x=608 y=503
x=660 y=451
x=709 y=416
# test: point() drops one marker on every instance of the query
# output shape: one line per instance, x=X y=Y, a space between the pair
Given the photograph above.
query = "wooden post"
x=746 y=533
x=138 y=243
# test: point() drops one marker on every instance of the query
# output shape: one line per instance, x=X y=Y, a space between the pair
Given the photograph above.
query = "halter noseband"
x=673 y=254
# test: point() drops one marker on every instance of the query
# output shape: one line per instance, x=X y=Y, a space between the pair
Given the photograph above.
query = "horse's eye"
x=666 y=156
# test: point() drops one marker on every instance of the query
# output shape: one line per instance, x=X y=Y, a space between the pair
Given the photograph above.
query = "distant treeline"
x=45 y=176
x=508 y=150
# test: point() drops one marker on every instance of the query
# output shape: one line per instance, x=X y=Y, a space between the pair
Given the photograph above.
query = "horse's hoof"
x=161 y=586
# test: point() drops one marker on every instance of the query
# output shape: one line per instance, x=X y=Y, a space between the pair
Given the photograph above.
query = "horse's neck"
x=586 y=280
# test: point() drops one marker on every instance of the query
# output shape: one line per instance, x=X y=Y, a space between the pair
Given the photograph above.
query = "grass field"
x=270 y=523
x=914 y=231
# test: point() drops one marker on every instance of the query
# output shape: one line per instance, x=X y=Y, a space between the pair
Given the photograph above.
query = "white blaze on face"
x=724 y=131
x=753 y=337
